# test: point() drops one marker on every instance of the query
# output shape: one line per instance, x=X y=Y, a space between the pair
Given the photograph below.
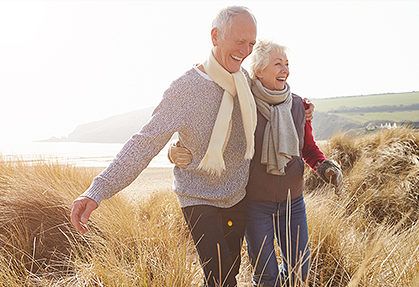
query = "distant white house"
x=373 y=127
x=388 y=126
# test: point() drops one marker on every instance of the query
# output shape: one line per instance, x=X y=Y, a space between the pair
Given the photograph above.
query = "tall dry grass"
x=129 y=244
x=367 y=235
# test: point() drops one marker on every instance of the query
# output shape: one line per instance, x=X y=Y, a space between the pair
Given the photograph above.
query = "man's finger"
x=75 y=216
x=90 y=206
x=80 y=213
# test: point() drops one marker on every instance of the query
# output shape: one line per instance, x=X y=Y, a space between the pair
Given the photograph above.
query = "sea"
x=71 y=153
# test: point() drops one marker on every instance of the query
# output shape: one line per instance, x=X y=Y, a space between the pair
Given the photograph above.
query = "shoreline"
x=151 y=179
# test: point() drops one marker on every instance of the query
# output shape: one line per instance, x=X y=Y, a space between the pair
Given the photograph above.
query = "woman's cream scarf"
x=280 y=140
x=232 y=83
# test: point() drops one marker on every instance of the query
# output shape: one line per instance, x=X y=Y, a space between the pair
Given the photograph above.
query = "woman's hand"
x=179 y=155
x=309 y=109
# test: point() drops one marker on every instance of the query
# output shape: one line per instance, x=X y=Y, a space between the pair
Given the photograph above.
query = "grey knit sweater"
x=190 y=107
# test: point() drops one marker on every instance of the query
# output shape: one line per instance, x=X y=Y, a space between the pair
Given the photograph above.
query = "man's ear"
x=215 y=35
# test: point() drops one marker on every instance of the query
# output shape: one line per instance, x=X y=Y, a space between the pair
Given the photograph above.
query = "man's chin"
x=234 y=69
x=234 y=66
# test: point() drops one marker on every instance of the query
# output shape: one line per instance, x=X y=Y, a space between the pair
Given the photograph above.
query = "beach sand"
x=150 y=180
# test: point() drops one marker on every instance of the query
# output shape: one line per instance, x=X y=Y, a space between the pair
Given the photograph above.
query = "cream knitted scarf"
x=280 y=140
x=232 y=83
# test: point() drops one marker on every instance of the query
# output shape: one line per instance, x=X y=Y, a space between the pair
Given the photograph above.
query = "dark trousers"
x=218 y=236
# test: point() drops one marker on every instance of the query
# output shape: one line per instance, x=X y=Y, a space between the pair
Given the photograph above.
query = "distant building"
x=388 y=126
x=372 y=126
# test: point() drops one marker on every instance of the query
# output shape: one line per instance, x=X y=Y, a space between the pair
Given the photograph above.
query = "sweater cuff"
x=94 y=193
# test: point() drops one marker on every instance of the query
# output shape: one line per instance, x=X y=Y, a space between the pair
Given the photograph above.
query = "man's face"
x=236 y=44
x=275 y=75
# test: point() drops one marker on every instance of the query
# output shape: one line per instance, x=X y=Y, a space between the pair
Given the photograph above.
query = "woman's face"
x=275 y=75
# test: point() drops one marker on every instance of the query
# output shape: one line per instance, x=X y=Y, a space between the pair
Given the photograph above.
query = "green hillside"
x=328 y=104
x=412 y=116
x=355 y=113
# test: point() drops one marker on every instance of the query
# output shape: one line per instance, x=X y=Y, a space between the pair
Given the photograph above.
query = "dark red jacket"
x=267 y=187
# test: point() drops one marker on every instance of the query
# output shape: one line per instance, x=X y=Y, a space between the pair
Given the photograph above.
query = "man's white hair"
x=259 y=59
x=223 y=19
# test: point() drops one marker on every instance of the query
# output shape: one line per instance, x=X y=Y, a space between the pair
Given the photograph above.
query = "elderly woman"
x=283 y=139
x=275 y=202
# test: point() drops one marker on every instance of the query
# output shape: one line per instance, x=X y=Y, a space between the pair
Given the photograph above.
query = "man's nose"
x=245 y=50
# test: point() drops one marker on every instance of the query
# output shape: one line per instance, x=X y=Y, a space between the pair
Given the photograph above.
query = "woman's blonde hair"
x=259 y=59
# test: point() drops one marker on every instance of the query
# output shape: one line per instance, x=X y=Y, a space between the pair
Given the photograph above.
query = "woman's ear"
x=258 y=74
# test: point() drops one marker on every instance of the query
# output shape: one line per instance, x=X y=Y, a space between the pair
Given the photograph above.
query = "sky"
x=65 y=63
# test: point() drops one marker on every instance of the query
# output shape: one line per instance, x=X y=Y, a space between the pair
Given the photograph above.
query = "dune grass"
x=365 y=235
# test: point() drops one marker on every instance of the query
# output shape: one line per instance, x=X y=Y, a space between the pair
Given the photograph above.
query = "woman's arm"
x=312 y=154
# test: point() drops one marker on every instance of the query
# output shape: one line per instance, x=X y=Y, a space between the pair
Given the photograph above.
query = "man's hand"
x=309 y=109
x=179 y=155
x=81 y=209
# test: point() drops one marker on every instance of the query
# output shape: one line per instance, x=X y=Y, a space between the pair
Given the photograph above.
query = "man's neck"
x=201 y=68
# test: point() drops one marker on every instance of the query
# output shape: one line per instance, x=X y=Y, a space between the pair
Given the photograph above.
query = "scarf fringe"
x=212 y=163
x=250 y=151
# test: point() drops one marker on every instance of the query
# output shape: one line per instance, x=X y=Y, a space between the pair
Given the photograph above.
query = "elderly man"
x=213 y=110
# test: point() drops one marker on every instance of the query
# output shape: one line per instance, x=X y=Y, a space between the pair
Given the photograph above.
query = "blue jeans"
x=288 y=224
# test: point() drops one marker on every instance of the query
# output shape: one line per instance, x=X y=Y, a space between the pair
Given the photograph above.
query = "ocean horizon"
x=72 y=153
